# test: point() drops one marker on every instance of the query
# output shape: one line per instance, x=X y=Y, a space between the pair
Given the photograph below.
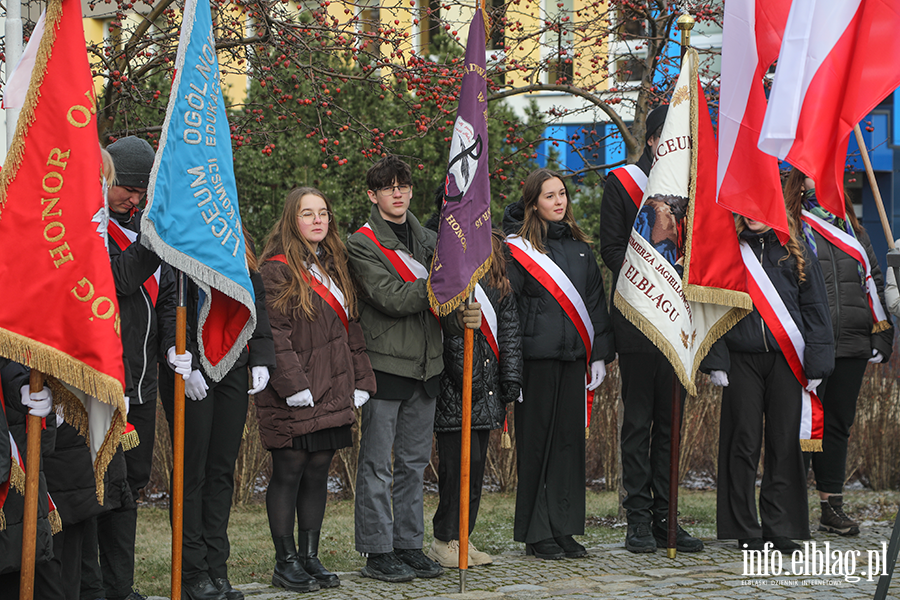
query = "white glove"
x=877 y=357
x=195 y=386
x=259 y=377
x=521 y=398
x=127 y=405
x=39 y=403
x=719 y=378
x=598 y=374
x=301 y=398
x=812 y=385
x=180 y=363
x=360 y=397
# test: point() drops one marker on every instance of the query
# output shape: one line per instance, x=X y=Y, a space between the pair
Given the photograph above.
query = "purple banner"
x=464 y=237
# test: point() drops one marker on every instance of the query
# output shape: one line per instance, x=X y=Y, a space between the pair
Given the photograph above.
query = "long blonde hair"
x=285 y=238
x=534 y=228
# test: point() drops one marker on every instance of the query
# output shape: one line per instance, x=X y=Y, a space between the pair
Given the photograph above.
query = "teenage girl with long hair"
x=550 y=421
x=306 y=411
x=765 y=396
x=860 y=337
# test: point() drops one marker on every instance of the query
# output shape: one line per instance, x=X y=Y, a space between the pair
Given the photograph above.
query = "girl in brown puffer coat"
x=306 y=411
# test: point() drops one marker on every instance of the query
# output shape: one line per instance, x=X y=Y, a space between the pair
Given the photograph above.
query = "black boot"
x=289 y=573
x=308 y=549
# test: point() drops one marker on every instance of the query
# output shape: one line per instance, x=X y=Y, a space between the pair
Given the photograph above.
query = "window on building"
x=368 y=13
x=559 y=40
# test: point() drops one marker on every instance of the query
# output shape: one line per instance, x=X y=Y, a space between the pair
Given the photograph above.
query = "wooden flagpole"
x=874 y=185
x=178 y=442
x=465 y=453
x=32 y=490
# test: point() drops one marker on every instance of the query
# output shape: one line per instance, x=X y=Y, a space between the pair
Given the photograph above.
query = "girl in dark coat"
x=551 y=419
x=306 y=411
x=496 y=381
x=763 y=388
x=859 y=338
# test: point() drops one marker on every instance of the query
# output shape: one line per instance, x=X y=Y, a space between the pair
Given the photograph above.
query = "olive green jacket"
x=403 y=336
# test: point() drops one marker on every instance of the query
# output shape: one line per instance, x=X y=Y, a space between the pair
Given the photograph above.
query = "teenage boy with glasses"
x=404 y=343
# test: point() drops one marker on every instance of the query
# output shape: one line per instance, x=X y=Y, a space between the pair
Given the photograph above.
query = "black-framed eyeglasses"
x=309 y=217
x=389 y=190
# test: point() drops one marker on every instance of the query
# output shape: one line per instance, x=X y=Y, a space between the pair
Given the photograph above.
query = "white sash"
x=332 y=287
x=488 y=319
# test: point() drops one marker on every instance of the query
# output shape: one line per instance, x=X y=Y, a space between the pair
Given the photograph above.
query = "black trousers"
x=838 y=394
x=763 y=396
x=91 y=577
x=213 y=430
x=550 y=451
x=446 y=517
x=647 y=379
x=116 y=529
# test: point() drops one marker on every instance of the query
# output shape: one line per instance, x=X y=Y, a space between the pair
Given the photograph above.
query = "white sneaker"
x=477 y=557
x=446 y=554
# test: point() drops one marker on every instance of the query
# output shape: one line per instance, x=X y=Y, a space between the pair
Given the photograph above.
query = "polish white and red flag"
x=747 y=179
x=838 y=60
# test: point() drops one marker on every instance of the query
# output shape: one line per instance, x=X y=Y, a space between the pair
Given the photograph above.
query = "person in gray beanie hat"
x=646 y=374
x=133 y=158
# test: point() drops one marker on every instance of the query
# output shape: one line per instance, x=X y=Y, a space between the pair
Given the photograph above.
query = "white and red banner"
x=838 y=60
x=683 y=317
x=748 y=182
x=488 y=319
x=779 y=321
x=633 y=180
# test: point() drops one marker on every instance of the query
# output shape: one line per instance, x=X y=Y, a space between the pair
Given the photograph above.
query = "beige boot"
x=446 y=554
x=477 y=557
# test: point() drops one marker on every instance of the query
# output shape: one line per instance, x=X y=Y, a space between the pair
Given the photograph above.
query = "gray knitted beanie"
x=133 y=158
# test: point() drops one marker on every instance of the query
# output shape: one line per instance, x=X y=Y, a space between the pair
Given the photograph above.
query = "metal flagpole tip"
x=685 y=22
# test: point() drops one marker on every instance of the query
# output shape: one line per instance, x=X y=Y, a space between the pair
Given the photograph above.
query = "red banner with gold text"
x=59 y=312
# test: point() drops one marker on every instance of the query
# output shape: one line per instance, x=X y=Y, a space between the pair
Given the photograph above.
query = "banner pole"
x=685 y=24
x=32 y=490
x=465 y=453
x=178 y=442
x=870 y=173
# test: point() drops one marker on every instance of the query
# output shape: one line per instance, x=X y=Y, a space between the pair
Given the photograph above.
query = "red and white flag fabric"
x=748 y=181
x=59 y=313
x=679 y=229
x=838 y=60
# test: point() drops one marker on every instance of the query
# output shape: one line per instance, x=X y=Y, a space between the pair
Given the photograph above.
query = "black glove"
x=509 y=391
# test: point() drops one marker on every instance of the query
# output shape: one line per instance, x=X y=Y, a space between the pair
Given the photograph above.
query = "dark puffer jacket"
x=14 y=376
x=493 y=383
x=851 y=318
x=547 y=332
x=319 y=355
x=806 y=302
x=70 y=478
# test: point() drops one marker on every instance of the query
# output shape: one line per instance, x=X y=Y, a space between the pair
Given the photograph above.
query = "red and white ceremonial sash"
x=548 y=274
x=488 y=319
x=407 y=267
x=851 y=246
x=325 y=288
x=790 y=340
x=633 y=180
x=124 y=238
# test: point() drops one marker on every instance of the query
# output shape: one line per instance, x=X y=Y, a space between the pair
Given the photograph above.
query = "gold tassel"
x=811 y=445
x=17 y=477
x=881 y=326
x=505 y=441
x=2 y=520
x=55 y=522
x=587 y=433
x=130 y=440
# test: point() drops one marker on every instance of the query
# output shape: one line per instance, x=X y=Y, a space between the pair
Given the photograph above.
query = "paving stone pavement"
x=610 y=571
